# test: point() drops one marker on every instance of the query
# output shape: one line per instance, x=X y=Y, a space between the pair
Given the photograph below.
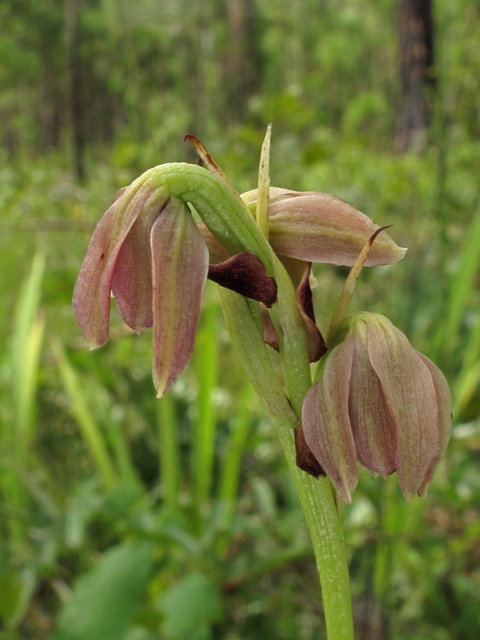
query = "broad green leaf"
x=106 y=598
x=190 y=607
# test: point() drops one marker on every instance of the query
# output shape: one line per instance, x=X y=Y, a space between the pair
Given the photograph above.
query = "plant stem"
x=315 y=494
x=327 y=537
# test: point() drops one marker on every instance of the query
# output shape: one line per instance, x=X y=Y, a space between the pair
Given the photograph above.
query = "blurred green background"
x=128 y=518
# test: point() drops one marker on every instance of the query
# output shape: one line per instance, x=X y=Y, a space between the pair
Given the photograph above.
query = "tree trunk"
x=242 y=58
x=76 y=88
x=416 y=72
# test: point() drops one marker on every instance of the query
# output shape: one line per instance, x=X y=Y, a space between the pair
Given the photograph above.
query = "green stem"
x=315 y=494
x=327 y=538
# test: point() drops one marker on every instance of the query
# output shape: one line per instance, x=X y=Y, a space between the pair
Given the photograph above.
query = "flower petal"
x=373 y=426
x=245 y=274
x=326 y=423
x=180 y=267
x=410 y=393
x=132 y=276
x=444 y=402
x=91 y=297
x=299 y=272
x=318 y=227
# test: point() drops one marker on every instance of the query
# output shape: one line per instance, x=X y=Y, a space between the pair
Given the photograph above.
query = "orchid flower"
x=148 y=252
x=380 y=402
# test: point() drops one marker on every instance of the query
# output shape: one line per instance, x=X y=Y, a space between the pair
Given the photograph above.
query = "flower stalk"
x=259 y=247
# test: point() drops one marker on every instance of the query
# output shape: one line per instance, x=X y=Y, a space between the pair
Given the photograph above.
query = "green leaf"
x=190 y=607
x=106 y=598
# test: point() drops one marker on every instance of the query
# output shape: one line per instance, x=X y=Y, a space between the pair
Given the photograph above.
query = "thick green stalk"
x=327 y=538
x=315 y=494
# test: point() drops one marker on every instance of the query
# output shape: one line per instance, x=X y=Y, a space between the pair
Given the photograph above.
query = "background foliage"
x=127 y=518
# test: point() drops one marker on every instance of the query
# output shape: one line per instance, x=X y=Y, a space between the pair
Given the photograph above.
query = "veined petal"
x=91 y=297
x=132 y=276
x=318 y=227
x=245 y=274
x=299 y=272
x=326 y=423
x=276 y=194
x=410 y=393
x=444 y=402
x=180 y=267
x=373 y=426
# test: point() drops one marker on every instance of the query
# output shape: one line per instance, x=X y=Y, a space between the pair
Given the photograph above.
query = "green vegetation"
x=129 y=518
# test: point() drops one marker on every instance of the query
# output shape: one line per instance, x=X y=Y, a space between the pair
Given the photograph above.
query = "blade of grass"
x=205 y=426
x=469 y=377
x=169 y=476
x=87 y=424
x=230 y=470
x=25 y=356
x=460 y=291
x=27 y=338
x=123 y=459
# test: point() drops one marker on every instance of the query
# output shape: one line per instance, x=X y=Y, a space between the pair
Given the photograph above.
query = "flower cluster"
x=377 y=400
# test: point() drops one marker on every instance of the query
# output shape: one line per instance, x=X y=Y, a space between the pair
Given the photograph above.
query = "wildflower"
x=380 y=402
x=148 y=252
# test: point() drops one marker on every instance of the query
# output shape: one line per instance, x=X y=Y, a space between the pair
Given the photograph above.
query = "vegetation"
x=128 y=518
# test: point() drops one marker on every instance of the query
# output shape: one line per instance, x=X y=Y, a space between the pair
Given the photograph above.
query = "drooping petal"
x=373 y=426
x=91 y=297
x=410 y=393
x=132 y=276
x=326 y=423
x=180 y=267
x=245 y=274
x=318 y=227
x=444 y=402
x=300 y=272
